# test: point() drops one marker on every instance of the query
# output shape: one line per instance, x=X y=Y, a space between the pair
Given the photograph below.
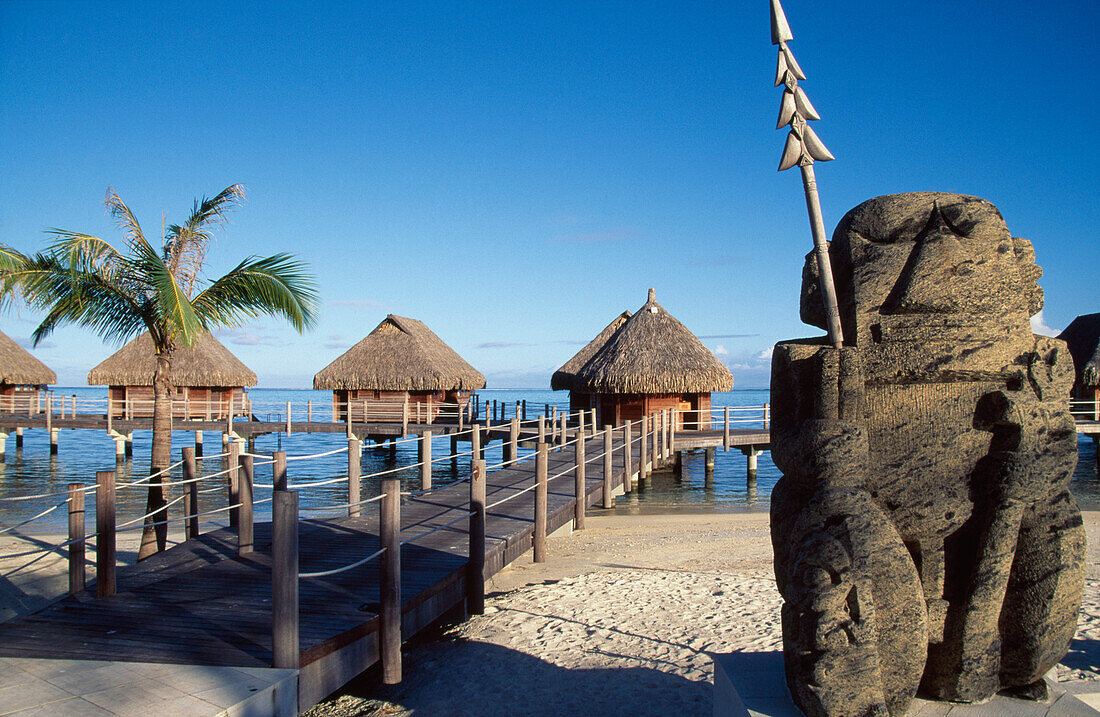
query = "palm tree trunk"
x=155 y=537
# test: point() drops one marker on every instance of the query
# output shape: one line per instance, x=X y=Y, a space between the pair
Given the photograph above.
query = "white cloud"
x=1039 y=326
x=766 y=354
x=721 y=350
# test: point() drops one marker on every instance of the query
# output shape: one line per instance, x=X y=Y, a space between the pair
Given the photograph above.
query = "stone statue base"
x=752 y=683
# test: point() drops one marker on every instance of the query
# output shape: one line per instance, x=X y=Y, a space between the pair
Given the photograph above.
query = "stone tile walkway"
x=92 y=688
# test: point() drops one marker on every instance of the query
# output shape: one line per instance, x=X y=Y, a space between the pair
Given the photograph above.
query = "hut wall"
x=367 y=404
x=21 y=398
x=616 y=409
x=199 y=403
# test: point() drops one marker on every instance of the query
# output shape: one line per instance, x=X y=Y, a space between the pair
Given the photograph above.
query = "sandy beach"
x=621 y=619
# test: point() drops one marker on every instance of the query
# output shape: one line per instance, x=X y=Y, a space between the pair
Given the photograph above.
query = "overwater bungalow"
x=401 y=362
x=23 y=378
x=1083 y=337
x=651 y=363
x=564 y=378
x=209 y=382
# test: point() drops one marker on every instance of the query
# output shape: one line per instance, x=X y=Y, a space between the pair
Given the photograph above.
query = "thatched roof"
x=653 y=353
x=207 y=363
x=563 y=378
x=1083 y=337
x=399 y=355
x=19 y=368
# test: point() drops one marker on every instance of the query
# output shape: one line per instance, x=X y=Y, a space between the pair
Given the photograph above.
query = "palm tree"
x=82 y=280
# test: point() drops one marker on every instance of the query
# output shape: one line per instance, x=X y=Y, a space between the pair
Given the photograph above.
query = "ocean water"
x=32 y=470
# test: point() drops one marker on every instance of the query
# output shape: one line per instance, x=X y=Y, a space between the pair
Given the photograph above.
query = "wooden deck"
x=199 y=603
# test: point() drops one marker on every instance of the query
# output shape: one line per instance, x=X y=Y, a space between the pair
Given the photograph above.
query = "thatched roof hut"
x=1083 y=338
x=653 y=353
x=563 y=378
x=401 y=354
x=19 y=368
x=207 y=363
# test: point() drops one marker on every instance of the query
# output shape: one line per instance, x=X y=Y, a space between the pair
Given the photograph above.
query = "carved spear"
x=803 y=148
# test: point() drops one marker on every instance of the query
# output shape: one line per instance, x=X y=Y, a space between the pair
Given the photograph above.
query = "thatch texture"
x=653 y=353
x=399 y=355
x=19 y=368
x=1083 y=337
x=207 y=363
x=563 y=378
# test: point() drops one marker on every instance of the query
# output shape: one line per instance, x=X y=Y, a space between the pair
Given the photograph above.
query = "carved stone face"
x=945 y=261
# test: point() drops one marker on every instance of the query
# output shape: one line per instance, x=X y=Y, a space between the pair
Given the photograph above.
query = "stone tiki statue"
x=924 y=532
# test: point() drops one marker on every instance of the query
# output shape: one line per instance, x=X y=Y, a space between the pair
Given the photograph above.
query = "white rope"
x=438 y=527
x=48 y=548
x=141 y=481
x=347 y=505
x=317 y=455
x=356 y=564
x=13 y=499
x=29 y=520
x=257 y=455
x=150 y=514
x=514 y=495
x=296 y=486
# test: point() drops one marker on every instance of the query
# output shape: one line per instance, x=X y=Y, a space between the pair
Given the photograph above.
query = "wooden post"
x=580 y=490
x=672 y=431
x=309 y=411
x=405 y=416
x=542 y=460
x=525 y=409
x=431 y=412
x=426 y=461
x=288 y=427
x=554 y=425
x=53 y=440
x=76 y=538
x=284 y=579
x=542 y=429
x=278 y=471
x=354 y=465
x=475 y=576
x=105 y=530
x=643 y=448
x=128 y=444
x=390 y=530
x=198 y=443
x=592 y=422
x=628 y=460
x=726 y=430
x=513 y=440
x=49 y=421
x=18 y=437
x=244 y=514
x=233 y=461
x=678 y=464
x=608 y=478
x=767 y=415
x=475 y=442
x=580 y=423
x=191 y=490
x=655 y=435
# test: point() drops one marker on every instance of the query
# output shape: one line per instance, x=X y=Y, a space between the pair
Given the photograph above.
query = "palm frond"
x=96 y=303
x=124 y=218
x=185 y=245
x=276 y=284
x=172 y=307
x=11 y=261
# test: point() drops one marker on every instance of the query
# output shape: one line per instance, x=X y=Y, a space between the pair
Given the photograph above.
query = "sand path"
x=620 y=620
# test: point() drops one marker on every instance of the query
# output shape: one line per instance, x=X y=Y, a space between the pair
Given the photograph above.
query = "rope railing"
x=335 y=571
x=438 y=528
x=34 y=518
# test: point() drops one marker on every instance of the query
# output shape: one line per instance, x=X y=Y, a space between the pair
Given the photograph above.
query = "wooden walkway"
x=200 y=603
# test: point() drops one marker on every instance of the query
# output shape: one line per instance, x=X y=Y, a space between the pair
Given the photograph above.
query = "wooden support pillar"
x=278 y=471
x=475 y=575
x=608 y=478
x=672 y=431
x=542 y=460
x=726 y=429
x=3 y=443
x=708 y=462
x=511 y=449
x=128 y=444
x=309 y=411
x=225 y=442
x=191 y=491
x=628 y=460
x=426 y=461
x=53 y=440
x=105 y=534
x=288 y=426
x=76 y=538
x=643 y=449
x=592 y=421
x=475 y=443
x=284 y=580
x=554 y=426
x=542 y=429
x=667 y=424
x=655 y=435
x=355 y=457
x=244 y=513
x=18 y=438
x=678 y=464
x=454 y=444
x=232 y=464
x=580 y=489
x=525 y=409
x=767 y=415
x=390 y=533
x=580 y=422
x=198 y=443
x=750 y=461
x=404 y=417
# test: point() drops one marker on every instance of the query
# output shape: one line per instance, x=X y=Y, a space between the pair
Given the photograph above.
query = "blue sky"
x=516 y=174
